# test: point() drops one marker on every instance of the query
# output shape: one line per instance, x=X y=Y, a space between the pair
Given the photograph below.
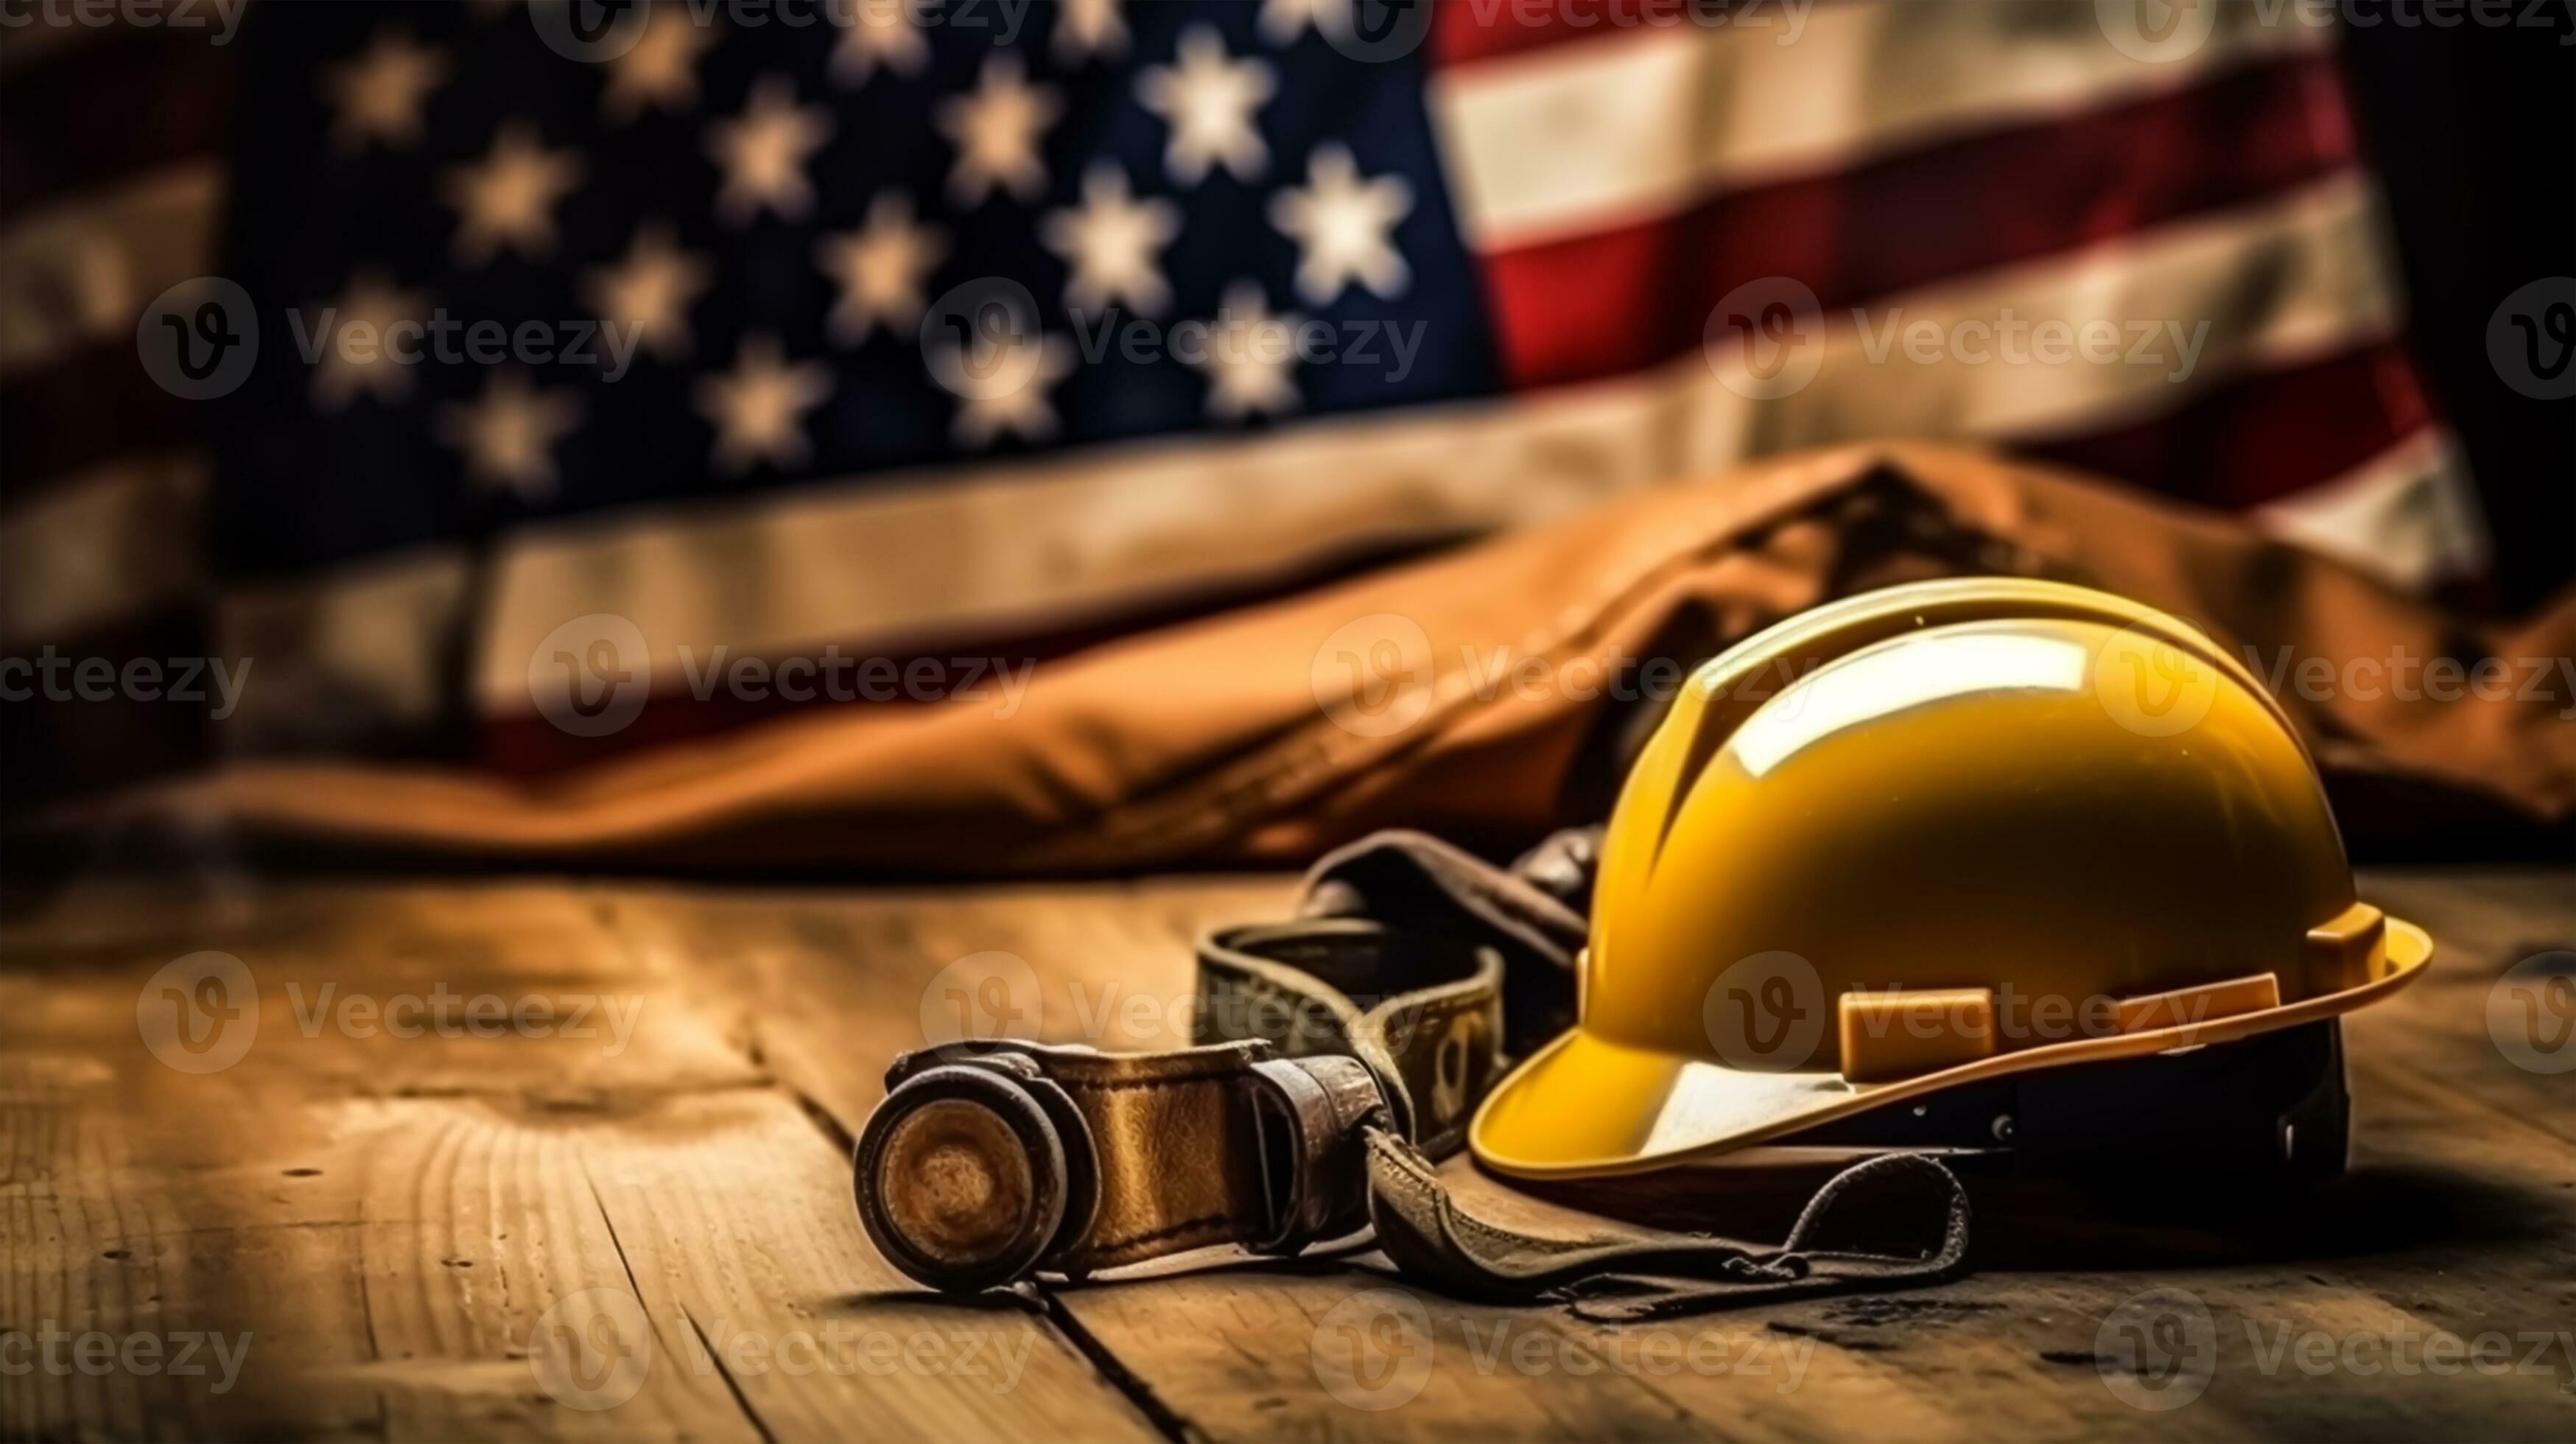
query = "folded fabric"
x=1487 y=694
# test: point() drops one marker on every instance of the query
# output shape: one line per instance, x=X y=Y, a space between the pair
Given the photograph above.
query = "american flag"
x=1289 y=286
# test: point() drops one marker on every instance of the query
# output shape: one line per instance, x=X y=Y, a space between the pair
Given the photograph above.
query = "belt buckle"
x=976 y=1168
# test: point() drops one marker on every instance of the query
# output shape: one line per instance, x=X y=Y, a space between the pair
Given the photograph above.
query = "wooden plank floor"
x=526 y=1159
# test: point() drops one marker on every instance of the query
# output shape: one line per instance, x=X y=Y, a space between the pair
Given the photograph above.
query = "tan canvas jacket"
x=1473 y=694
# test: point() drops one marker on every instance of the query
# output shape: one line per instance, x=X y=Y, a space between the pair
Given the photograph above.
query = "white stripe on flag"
x=2168 y=307
x=346 y=659
x=2409 y=515
x=1636 y=125
x=79 y=273
x=100 y=546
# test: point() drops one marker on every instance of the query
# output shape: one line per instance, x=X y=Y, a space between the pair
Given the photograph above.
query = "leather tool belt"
x=1339 y=1056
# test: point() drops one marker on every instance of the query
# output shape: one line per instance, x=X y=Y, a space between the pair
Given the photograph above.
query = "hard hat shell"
x=1935 y=834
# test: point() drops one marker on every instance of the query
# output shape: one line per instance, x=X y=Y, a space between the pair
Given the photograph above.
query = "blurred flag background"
x=978 y=329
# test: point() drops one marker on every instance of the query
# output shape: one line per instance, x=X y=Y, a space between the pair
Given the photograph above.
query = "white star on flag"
x=661 y=72
x=759 y=407
x=649 y=292
x=880 y=268
x=1341 y=224
x=508 y=199
x=1209 y=101
x=378 y=96
x=1282 y=21
x=879 y=32
x=1248 y=356
x=763 y=152
x=1023 y=411
x=996 y=128
x=509 y=435
x=1111 y=241
x=1089 y=29
x=371 y=304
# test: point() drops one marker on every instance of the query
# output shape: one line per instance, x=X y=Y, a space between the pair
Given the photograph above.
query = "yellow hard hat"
x=1931 y=836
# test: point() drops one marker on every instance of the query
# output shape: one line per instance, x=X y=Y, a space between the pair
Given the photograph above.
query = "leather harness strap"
x=1339 y=1057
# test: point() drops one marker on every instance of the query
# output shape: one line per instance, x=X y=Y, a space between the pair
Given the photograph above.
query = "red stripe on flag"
x=123 y=106
x=2262 y=436
x=87 y=408
x=68 y=737
x=1469 y=30
x=1621 y=300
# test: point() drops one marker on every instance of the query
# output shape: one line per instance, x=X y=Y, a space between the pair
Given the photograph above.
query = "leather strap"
x=1339 y=1056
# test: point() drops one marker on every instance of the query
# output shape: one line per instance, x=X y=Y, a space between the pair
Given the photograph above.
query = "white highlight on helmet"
x=1712 y=1100
x=1908 y=672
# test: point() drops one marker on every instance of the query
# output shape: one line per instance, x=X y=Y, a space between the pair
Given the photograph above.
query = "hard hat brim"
x=1586 y=1107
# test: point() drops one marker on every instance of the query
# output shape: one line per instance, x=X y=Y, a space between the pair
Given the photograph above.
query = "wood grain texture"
x=449 y=1235
x=526 y=1231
